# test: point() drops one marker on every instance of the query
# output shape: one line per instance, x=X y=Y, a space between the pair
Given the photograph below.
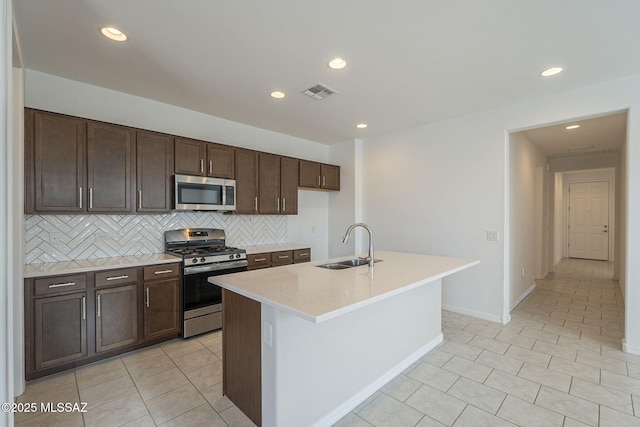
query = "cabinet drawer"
x=282 y=258
x=302 y=255
x=259 y=261
x=162 y=271
x=116 y=277
x=56 y=284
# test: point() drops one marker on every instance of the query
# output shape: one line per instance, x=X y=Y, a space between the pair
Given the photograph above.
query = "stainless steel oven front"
x=202 y=301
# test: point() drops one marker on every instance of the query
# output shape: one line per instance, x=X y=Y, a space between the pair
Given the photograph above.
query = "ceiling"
x=410 y=62
x=594 y=135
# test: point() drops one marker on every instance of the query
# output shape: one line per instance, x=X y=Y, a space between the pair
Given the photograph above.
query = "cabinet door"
x=246 y=181
x=269 y=183
x=220 y=161
x=289 y=186
x=330 y=177
x=190 y=156
x=309 y=174
x=59 y=144
x=116 y=317
x=154 y=160
x=108 y=168
x=60 y=329
x=162 y=308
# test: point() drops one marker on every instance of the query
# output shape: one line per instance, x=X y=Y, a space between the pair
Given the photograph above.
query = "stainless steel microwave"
x=201 y=193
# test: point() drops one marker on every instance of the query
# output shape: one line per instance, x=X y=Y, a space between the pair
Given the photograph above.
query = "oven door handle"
x=219 y=266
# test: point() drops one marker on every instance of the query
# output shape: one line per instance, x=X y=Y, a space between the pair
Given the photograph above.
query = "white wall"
x=438 y=188
x=342 y=204
x=526 y=183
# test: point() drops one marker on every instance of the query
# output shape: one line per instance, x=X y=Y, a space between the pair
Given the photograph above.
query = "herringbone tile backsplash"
x=100 y=236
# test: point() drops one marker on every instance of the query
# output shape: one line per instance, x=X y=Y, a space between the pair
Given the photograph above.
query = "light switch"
x=267 y=334
x=492 y=235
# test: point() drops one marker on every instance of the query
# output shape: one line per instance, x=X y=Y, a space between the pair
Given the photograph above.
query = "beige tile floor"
x=558 y=363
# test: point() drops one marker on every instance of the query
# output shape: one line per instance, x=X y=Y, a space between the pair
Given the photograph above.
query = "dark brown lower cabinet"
x=60 y=328
x=116 y=317
x=161 y=308
x=75 y=319
x=241 y=350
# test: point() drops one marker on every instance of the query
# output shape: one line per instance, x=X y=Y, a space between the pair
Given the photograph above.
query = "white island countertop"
x=318 y=294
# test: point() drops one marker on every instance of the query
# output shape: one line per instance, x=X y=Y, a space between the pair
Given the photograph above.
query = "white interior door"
x=589 y=220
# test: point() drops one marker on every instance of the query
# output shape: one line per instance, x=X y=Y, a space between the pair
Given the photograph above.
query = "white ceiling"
x=410 y=62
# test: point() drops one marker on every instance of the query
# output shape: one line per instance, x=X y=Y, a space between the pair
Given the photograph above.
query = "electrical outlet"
x=54 y=238
x=493 y=235
x=267 y=334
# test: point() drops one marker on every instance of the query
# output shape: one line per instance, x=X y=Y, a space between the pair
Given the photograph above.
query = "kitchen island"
x=304 y=345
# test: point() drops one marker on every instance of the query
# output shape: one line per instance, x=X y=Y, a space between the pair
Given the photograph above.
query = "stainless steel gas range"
x=204 y=253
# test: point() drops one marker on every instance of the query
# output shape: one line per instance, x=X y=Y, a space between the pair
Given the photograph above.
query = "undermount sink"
x=348 y=263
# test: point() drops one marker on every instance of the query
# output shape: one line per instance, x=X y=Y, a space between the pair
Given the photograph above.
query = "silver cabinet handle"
x=255 y=202
x=260 y=259
x=201 y=165
x=60 y=285
x=163 y=271
x=210 y=167
x=139 y=199
x=98 y=304
x=80 y=196
x=278 y=207
x=304 y=254
x=90 y=198
x=283 y=256
x=284 y=204
x=84 y=308
x=117 y=277
x=318 y=180
x=146 y=291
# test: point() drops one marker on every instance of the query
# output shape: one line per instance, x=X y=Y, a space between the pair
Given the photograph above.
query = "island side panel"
x=241 y=353
x=315 y=373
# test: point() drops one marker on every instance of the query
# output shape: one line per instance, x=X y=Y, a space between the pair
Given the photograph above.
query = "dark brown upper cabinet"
x=319 y=175
x=57 y=144
x=109 y=149
x=202 y=158
x=289 y=185
x=74 y=165
x=154 y=172
x=278 y=184
x=246 y=181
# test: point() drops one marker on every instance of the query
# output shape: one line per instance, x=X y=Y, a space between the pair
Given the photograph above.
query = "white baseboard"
x=472 y=313
x=631 y=349
x=523 y=296
x=337 y=414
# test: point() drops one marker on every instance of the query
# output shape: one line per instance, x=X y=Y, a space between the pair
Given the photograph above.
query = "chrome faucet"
x=345 y=239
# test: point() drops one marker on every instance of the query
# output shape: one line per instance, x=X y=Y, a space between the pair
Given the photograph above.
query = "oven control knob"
x=237 y=255
x=203 y=259
x=193 y=261
x=231 y=256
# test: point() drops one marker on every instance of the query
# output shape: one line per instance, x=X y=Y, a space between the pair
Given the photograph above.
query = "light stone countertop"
x=276 y=247
x=318 y=294
x=96 y=264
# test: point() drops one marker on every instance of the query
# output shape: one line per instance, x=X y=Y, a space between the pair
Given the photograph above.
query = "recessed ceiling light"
x=337 y=64
x=361 y=125
x=572 y=127
x=551 y=71
x=113 y=34
x=277 y=94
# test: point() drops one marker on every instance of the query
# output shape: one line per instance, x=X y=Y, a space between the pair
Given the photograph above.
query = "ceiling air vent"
x=319 y=92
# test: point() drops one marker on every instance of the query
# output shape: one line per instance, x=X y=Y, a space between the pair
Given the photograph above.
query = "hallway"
x=557 y=363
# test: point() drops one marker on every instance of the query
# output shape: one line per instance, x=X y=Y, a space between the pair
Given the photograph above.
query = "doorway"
x=588 y=226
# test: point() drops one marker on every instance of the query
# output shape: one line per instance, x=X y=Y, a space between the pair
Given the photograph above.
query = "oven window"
x=200 y=293
x=199 y=194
